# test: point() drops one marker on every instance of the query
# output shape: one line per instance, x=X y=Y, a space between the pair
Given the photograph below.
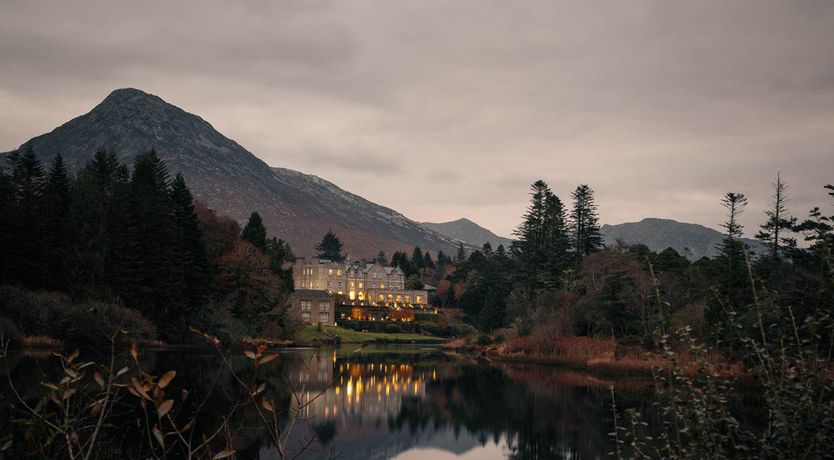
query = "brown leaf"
x=250 y=354
x=259 y=390
x=6 y=446
x=166 y=379
x=51 y=386
x=133 y=351
x=54 y=399
x=159 y=437
x=268 y=358
x=68 y=393
x=99 y=379
x=187 y=426
x=224 y=454
x=139 y=389
x=121 y=371
x=165 y=407
x=267 y=405
x=184 y=395
x=96 y=409
x=72 y=356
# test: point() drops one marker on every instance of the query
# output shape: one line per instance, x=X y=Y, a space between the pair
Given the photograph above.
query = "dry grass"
x=605 y=355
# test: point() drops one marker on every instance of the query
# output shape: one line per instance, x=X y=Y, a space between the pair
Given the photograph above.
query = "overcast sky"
x=446 y=110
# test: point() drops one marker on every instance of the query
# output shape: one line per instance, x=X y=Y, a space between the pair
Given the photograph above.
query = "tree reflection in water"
x=381 y=402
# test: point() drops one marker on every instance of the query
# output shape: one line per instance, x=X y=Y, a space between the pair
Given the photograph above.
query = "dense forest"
x=84 y=253
x=557 y=279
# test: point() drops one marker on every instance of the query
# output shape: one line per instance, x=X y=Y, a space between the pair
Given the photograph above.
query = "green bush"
x=484 y=339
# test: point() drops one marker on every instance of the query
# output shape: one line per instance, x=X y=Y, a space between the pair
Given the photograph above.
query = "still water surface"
x=401 y=402
x=418 y=403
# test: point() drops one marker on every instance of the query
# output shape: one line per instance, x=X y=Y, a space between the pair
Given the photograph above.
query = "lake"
x=398 y=401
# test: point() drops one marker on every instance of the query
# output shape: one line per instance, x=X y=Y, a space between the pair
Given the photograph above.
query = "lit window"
x=352 y=295
x=338 y=272
x=306 y=305
x=381 y=297
x=330 y=272
x=324 y=305
x=382 y=286
x=305 y=316
x=419 y=299
x=324 y=317
x=361 y=285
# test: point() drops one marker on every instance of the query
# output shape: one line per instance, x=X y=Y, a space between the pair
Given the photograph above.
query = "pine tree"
x=255 y=231
x=191 y=260
x=150 y=281
x=731 y=248
x=330 y=247
x=99 y=217
x=779 y=222
x=531 y=233
x=58 y=228
x=417 y=259
x=381 y=259
x=6 y=215
x=461 y=255
x=27 y=219
x=585 y=222
x=280 y=254
x=734 y=292
x=556 y=238
x=427 y=261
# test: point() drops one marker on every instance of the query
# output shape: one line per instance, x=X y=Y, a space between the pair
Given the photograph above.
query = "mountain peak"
x=131 y=96
x=230 y=179
x=468 y=232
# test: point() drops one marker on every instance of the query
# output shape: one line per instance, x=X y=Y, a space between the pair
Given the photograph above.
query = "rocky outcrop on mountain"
x=469 y=232
x=297 y=207
x=693 y=240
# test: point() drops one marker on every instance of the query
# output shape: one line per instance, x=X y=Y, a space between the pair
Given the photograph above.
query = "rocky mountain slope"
x=469 y=232
x=297 y=207
x=659 y=234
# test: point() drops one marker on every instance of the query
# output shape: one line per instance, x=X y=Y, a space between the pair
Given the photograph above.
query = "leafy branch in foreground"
x=797 y=385
x=93 y=409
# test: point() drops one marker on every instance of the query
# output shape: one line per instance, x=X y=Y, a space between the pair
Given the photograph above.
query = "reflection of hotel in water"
x=357 y=390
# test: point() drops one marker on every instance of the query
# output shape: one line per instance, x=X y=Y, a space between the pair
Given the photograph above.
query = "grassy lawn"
x=350 y=336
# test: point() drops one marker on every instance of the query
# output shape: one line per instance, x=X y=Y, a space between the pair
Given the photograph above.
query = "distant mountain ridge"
x=297 y=207
x=468 y=232
x=695 y=240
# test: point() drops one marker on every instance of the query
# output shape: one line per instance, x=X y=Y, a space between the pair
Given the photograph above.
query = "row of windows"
x=307 y=305
x=324 y=317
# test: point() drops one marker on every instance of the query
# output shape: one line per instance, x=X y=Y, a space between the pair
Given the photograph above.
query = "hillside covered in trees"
x=118 y=246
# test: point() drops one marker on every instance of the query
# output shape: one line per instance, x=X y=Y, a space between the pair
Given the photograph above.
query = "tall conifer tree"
x=585 y=222
x=330 y=247
x=774 y=232
x=255 y=231
x=27 y=219
x=191 y=259
x=58 y=229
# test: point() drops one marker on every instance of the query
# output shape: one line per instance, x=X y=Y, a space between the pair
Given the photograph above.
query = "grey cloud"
x=660 y=106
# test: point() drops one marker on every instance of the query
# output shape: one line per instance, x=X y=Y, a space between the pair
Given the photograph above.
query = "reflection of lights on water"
x=390 y=383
